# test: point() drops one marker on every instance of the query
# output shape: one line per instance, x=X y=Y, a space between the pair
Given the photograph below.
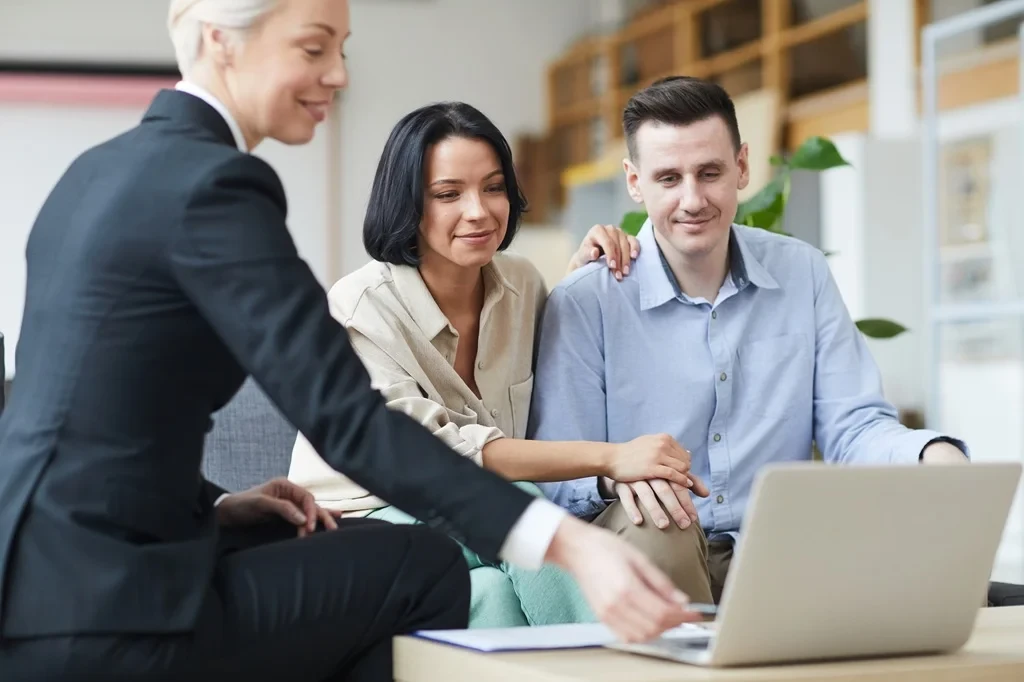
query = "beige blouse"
x=408 y=347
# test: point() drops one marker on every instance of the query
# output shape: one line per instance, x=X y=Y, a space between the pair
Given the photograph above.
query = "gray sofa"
x=3 y=374
x=251 y=442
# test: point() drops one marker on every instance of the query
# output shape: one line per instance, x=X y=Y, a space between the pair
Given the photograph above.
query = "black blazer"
x=160 y=274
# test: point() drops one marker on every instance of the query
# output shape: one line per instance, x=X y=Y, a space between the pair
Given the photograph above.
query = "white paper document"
x=544 y=637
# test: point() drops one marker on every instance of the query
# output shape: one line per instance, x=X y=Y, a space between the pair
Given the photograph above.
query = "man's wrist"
x=561 y=547
x=604 y=454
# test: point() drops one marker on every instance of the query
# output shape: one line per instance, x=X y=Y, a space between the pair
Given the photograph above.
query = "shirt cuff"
x=469 y=440
x=528 y=541
x=580 y=497
x=220 y=499
x=600 y=491
x=477 y=437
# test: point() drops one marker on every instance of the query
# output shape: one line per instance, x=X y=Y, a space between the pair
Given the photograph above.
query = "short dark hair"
x=680 y=101
x=392 y=222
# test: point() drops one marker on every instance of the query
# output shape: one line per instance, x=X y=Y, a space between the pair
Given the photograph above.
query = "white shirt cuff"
x=527 y=543
x=220 y=499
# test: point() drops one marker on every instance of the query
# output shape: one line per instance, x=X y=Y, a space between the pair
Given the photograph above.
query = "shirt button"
x=480 y=365
x=714 y=314
x=720 y=499
x=723 y=376
x=718 y=437
x=494 y=413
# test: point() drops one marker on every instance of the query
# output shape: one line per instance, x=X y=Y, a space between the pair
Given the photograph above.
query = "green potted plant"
x=765 y=209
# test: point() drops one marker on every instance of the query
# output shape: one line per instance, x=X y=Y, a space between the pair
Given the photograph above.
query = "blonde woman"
x=160 y=274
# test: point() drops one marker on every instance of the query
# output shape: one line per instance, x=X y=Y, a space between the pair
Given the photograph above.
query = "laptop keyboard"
x=684 y=644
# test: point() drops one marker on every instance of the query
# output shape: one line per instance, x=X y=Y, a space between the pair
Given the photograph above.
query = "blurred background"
x=922 y=226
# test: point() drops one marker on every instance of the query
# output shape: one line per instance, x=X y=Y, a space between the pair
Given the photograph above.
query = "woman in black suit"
x=160 y=274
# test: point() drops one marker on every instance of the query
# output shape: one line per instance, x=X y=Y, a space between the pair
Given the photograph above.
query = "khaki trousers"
x=696 y=566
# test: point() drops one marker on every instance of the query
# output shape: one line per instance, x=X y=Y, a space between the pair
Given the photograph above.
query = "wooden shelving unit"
x=815 y=65
x=744 y=45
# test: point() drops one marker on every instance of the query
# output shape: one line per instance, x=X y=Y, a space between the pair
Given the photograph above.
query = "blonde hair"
x=185 y=20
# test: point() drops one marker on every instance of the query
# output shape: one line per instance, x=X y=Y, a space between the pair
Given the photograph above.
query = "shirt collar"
x=745 y=266
x=209 y=98
x=659 y=286
x=424 y=309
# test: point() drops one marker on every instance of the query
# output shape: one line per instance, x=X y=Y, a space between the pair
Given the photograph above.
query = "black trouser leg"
x=335 y=600
x=319 y=608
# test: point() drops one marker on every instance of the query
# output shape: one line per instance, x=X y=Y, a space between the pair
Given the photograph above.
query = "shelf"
x=823 y=26
x=744 y=45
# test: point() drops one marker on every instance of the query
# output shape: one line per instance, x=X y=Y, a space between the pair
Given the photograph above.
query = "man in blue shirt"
x=734 y=341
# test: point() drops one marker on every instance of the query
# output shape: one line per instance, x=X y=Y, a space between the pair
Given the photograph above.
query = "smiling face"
x=689 y=178
x=465 y=204
x=283 y=76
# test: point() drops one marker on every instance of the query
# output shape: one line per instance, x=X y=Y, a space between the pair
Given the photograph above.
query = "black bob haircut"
x=393 y=216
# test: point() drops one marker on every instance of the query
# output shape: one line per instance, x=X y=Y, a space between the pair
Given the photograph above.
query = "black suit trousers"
x=320 y=608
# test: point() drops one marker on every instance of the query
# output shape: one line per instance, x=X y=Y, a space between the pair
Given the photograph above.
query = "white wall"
x=40 y=141
x=109 y=31
x=872 y=227
x=893 y=235
x=842 y=216
x=893 y=67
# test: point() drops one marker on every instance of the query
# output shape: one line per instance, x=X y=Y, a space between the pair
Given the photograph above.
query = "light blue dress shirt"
x=774 y=363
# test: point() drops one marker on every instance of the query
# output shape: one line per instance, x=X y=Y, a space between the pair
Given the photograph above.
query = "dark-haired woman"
x=444 y=322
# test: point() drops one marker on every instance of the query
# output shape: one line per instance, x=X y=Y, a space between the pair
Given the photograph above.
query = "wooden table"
x=994 y=653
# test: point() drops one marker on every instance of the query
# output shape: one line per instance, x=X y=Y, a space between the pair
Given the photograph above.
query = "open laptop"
x=839 y=562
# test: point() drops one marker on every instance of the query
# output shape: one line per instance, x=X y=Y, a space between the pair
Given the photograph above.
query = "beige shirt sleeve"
x=403 y=394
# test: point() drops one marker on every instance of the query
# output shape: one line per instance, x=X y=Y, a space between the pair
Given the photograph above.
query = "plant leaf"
x=880 y=329
x=776 y=160
x=817 y=154
x=764 y=209
x=633 y=221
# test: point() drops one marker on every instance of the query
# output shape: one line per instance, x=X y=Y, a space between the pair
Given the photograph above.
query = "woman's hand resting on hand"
x=653 y=472
x=647 y=457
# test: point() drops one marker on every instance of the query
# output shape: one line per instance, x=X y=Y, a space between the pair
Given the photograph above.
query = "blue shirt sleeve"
x=853 y=423
x=569 y=391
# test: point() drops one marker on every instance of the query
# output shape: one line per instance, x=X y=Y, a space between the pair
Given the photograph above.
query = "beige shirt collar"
x=424 y=309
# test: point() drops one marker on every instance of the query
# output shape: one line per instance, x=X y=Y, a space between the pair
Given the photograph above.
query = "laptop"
x=839 y=562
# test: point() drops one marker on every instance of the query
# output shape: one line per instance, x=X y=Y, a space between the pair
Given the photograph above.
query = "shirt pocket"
x=519 y=396
x=776 y=376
